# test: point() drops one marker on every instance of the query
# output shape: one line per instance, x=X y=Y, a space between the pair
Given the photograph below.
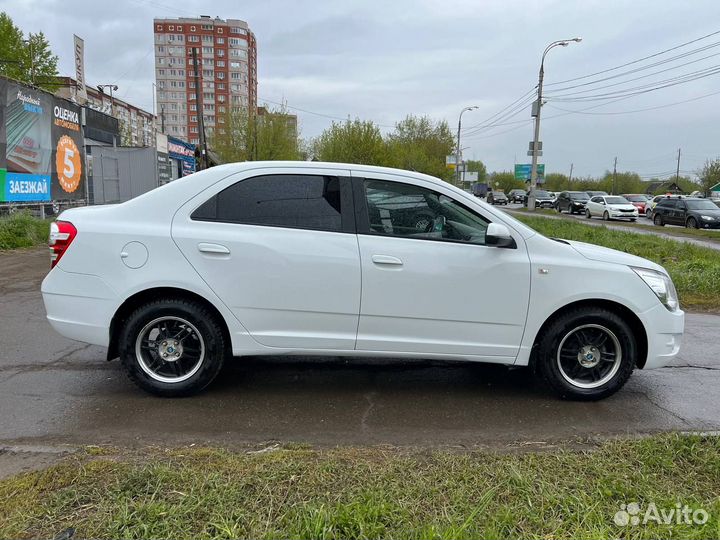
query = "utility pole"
x=198 y=100
x=614 y=175
x=162 y=118
x=571 y=170
x=535 y=150
x=677 y=171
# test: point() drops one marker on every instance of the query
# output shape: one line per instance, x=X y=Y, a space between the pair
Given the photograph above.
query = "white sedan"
x=610 y=207
x=328 y=259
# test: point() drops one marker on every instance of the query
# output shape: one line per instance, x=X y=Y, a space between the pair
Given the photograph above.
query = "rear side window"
x=292 y=201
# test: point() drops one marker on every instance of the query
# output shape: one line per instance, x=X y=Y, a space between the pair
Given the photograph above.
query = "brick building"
x=227 y=58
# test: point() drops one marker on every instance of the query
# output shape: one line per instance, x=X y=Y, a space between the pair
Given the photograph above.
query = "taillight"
x=62 y=233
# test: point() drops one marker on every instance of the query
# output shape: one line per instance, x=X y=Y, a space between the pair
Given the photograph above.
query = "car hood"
x=713 y=213
x=603 y=254
x=621 y=206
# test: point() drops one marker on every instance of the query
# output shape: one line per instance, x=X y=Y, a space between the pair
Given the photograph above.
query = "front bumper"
x=623 y=215
x=664 y=334
x=703 y=224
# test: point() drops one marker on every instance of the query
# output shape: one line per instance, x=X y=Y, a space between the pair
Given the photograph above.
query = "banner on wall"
x=80 y=68
x=41 y=146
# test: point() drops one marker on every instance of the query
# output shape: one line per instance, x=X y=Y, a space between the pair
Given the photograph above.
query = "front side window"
x=291 y=200
x=405 y=210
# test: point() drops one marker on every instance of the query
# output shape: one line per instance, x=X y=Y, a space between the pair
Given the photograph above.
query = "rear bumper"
x=664 y=332
x=79 y=306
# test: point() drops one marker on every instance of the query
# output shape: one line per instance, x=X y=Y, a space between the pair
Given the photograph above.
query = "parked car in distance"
x=611 y=207
x=595 y=193
x=651 y=206
x=571 y=202
x=480 y=189
x=693 y=213
x=543 y=199
x=496 y=197
x=320 y=259
x=516 y=195
x=638 y=200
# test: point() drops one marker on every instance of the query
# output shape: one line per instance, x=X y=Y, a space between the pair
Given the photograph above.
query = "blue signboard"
x=21 y=187
x=523 y=172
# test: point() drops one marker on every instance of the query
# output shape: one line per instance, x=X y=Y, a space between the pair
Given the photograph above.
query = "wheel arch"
x=146 y=295
x=623 y=311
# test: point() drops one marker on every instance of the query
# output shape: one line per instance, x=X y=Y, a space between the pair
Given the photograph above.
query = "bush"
x=21 y=230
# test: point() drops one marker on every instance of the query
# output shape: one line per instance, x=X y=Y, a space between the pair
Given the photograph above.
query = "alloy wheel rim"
x=170 y=349
x=589 y=356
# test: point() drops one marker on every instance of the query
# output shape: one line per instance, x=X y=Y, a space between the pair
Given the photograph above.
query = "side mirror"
x=498 y=235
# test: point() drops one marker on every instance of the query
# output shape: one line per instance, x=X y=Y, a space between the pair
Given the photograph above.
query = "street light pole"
x=457 y=151
x=538 y=107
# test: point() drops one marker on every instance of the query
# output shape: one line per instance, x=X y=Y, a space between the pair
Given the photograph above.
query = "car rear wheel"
x=172 y=347
x=691 y=223
x=658 y=220
x=587 y=354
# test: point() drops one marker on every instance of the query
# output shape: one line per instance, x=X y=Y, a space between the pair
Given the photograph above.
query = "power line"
x=331 y=117
x=521 y=98
x=582 y=111
x=644 y=89
x=633 y=79
x=635 y=61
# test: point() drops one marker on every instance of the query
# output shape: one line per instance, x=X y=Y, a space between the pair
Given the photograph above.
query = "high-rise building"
x=227 y=69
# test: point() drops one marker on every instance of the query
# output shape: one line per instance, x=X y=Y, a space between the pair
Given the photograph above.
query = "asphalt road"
x=53 y=390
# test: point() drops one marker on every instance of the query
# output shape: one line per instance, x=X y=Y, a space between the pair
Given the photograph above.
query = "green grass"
x=21 y=230
x=695 y=270
x=641 y=223
x=369 y=493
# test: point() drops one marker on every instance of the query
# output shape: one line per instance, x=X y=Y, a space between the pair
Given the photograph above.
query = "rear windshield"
x=635 y=198
x=579 y=196
x=616 y=200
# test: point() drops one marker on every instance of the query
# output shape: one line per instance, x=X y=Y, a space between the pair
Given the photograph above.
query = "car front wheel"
x=691 y=223
x=172 y=347
x=588 y=214
x=587 y=354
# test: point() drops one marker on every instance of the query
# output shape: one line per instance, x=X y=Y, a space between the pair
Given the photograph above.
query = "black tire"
x=632 y=220
x=558 y=209
x=606 y=216
x=658 y=220
x=211 y=346
x=588 y=214
x=548 y=359
x=691 y=223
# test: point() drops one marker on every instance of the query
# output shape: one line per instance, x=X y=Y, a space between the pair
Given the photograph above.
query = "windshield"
x=636 y=198
x=701 y=205
x=540 y=193
x=579 y=196
x=498 y=194
x=616 y=200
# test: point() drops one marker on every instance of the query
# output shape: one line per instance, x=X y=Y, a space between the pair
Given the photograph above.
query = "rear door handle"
x=219 y=249
x=386 y=259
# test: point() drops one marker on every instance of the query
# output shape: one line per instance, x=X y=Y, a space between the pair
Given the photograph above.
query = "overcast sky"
x=382 y=60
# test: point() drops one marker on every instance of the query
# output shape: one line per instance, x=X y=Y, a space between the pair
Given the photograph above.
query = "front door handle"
x=386 y=259
x=218 y=249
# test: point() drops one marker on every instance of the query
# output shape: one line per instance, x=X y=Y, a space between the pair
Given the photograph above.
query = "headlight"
x=661 y=285
x=708 y=218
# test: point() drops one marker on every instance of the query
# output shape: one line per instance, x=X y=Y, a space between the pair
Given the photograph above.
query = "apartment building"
x=136 y=125
x=226 y=53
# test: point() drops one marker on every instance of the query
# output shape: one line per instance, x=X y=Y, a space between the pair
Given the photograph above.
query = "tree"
x=356 y=141
x=556 y=182
x=478 y=167
x=420 y=144
x=505 y=181
x=623 y=182
x=27 y=60
x=241 y=136
x=709 y=175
